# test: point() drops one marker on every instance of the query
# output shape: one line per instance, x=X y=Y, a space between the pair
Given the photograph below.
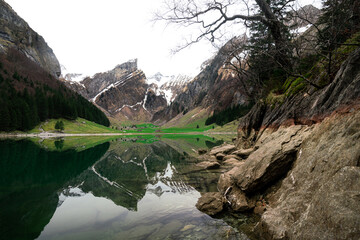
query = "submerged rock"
x=211 y=203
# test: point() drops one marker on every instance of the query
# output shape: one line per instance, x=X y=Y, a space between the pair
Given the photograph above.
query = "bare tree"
x=213 y=15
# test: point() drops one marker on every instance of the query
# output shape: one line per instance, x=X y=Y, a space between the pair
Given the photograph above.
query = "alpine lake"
x=119 y=187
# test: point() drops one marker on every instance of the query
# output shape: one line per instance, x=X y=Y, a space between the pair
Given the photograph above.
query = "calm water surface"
x=122 y=189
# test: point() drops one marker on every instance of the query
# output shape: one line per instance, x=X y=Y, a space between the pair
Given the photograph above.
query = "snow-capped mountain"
x=168 y=86
x=125 y=93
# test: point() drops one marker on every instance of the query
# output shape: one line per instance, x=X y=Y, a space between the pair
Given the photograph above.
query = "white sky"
x=90 y=36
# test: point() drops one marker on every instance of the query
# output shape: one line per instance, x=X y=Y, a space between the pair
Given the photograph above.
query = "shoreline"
x=58 y=135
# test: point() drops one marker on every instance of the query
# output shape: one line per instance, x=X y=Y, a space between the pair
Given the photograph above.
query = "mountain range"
x=125 y=94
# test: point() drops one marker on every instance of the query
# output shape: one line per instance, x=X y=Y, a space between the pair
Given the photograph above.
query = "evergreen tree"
x=5 y=118
x=266 y=64
x=59 y=125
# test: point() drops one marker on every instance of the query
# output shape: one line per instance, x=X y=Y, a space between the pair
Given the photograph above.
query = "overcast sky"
x=90 y=36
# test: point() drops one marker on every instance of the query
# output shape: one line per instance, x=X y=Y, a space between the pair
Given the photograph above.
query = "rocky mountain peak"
x=158 y=76
x=303 y=16
x=130 y=65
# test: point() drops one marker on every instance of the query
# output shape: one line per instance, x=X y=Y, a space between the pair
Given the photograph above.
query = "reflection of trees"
x=59 y=144
x=29 y=180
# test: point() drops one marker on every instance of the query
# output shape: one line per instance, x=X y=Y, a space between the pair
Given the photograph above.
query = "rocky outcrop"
x=123 y=93
x=319 y=198
x=16 y=33
x=307 y=107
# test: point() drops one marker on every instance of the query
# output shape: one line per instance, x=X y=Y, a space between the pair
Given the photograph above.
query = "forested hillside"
x=29 y=95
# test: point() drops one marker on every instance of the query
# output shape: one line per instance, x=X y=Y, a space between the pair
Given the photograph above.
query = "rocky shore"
x=303 y=180
x=296 y=164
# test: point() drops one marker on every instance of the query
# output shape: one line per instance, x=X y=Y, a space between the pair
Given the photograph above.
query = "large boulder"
x=238 y=200
x=208 y=165
x=211 y=203
x=232 y=162
x=231 y=156
x=244 y=153
x=223 y=149
x=271 y=161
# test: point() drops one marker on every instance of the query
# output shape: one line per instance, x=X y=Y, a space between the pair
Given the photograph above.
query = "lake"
x=108 y=188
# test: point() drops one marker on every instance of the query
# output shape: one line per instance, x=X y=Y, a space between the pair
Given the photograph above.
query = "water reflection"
x=122 y=190
x=29 y=180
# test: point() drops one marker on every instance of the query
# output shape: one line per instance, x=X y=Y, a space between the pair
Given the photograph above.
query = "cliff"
x=16 y=33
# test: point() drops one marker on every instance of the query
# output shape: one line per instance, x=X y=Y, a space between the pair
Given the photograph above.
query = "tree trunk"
x=281 y=44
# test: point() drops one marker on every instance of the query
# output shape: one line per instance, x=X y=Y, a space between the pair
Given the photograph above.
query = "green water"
x=122 y=189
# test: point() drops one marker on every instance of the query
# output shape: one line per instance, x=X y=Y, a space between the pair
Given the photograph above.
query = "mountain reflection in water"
x=122 y=190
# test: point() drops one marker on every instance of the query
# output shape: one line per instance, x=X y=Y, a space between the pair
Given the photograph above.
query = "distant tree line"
x=29 y=95
x=228 y=115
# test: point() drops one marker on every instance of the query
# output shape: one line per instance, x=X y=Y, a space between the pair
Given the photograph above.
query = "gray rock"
x=208 y=165
x=223 y=149
x=238 y=200
x=211 y=203
x=271 y=161
x=319 y=198
x=244 y=153
x=232 y=162
x=226 y=180
x=231 y=156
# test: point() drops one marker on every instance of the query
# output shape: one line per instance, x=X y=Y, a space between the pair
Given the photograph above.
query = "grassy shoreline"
x=58 y=135
x=84 y=128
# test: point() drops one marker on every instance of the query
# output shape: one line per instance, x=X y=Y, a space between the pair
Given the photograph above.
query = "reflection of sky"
x=86 y=216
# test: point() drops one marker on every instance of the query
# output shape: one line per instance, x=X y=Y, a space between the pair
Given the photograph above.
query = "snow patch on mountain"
x=167 y=86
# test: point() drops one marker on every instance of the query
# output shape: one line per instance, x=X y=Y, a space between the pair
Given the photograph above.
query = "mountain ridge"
x=126 y=94
x=15 y=32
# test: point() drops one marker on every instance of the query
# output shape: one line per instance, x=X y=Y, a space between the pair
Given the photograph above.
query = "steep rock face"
x=305 y=108
x=122 y=93
x=215 y=87
x=16 y=33
x=319 y=198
